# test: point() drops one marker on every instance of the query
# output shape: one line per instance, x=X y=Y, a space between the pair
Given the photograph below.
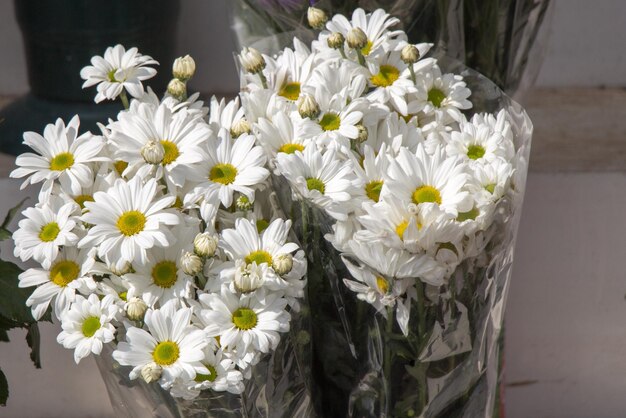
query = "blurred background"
x=565 y=327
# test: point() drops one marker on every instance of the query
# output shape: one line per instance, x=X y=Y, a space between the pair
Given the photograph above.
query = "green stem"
x=412 y=71
x=359 y=54
x=387 y=359
x=124 y=99
x=422 y=334
x=263 y=79
x=343 y=53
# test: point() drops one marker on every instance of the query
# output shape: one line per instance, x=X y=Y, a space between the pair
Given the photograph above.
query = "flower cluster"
x=369 y=128
x=159 y=235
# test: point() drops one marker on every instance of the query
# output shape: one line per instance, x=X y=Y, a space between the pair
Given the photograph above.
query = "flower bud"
x=177 y=89
x=308 y=107
x=410 y=54
x=191 y=263
x=239 y=128
x=336 y=40
x=248 y=277
x=363 y=134
x=317 y=17
x=282 y=264
x=184 y=68
x=251 y=60
x=153 y=152
x=136 y=309
x=151 y=372
x=356 y=39
x=243 y=203
x=205 y=244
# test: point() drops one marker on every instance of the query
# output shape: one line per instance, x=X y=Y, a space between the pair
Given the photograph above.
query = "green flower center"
x=436 y=97
x=90 y=326
x=120 y=166
x=244 y=319
x=62 y=161
x=111 y=75
x=81 y=199
x=64 y=272
x=490 y=187
x=475 y=152
x=383 y=284
x=223 y=173
x=290 y=91
x=330 y=121
x=49 y=232
x=426 y=194
x=171 y=151
x=166 y=353
x=367 y=48
x=165 y=274
x=259 y=257
x=291 y=148
x=471 y=214
x=315 y=184
x=123 y=295
x=261 y=225
x=372 y=190
x=387 y=75
x=131 y=222
x=207 y=377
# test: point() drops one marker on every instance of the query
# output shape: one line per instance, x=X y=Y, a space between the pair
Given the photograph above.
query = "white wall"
x=587 y=46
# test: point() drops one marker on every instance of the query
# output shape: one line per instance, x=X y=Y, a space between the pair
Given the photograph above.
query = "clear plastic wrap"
x=449 y=364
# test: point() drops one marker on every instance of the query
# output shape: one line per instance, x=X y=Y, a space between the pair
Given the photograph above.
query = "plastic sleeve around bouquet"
x=450 y=362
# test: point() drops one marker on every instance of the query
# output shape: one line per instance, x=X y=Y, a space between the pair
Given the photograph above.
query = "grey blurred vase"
x=60 y=37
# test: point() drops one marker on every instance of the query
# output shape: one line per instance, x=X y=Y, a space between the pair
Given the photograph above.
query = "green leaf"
x=11 y=214
x=4 y=389
x=33 y=338
x=12 y=297
x=4 y=336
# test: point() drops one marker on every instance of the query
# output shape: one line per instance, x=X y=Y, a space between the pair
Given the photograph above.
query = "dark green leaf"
x=4 y=336
x=4 y=234
x=33 y=339
x=12 y=297
x=11 y=214
x=4 y=389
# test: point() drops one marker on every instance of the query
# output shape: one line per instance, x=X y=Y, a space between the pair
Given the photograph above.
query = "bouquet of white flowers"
x=161 y=239
x=404 y=176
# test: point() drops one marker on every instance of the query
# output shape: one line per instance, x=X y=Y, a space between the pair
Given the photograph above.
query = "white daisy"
x=280 y=134
x=478 y=143
x=445 y=93
x=224 y=114
x=292 y=70
x=246 y=321
x=171 y=344
x=87 y=325
x=69 y=272
x=118 y=70
x=44 y=229
x=128 y=219
x=492 y=181
x=63 y=155
x=390 y=81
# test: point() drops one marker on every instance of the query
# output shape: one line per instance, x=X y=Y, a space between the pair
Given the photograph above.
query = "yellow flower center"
x=330 y=121
x=62 y=161
x=171 y=151
x=90 y=326
x=401 y=228
x=261 y=225
x=166 y=353
x=436 y=97
x=372 y=190
x=291 y=148
x=49 y=232
x=367 y=48
x=131 y=222
x=426 y=194
x=290 y=91
x=315 y=184
x=64 y=272
x=223 y=173
x=471 y=214
x=387 y=75
x=165 y=274
x=244 y=319
x=207 y=377
x=81 y=199
x=383 y=284
x=178 y=203
x=475 y=152
x=123 y=295
x=120 y=166
x=490 y=187
x=259 y=257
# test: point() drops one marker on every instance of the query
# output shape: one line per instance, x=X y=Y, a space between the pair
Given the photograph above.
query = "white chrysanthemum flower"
x=222 y=377
x=390 y=81
x=180 y=135
x=372 y=172
x=492 y=181
x=101 y=182
x=280 y=134
x=162 y=278
x=170 y=342
x=245 y=322
x=44 y=229
x=68 y=273
x=292 y=69
x=445 y=93
x=430 y=179
x=323 y=179
x=394 y=131
x=118 y=70
x=87 y=325
x=231 y=166
x=225 y=114
x=478 y=143
x=63 y=155
x=128 y=219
